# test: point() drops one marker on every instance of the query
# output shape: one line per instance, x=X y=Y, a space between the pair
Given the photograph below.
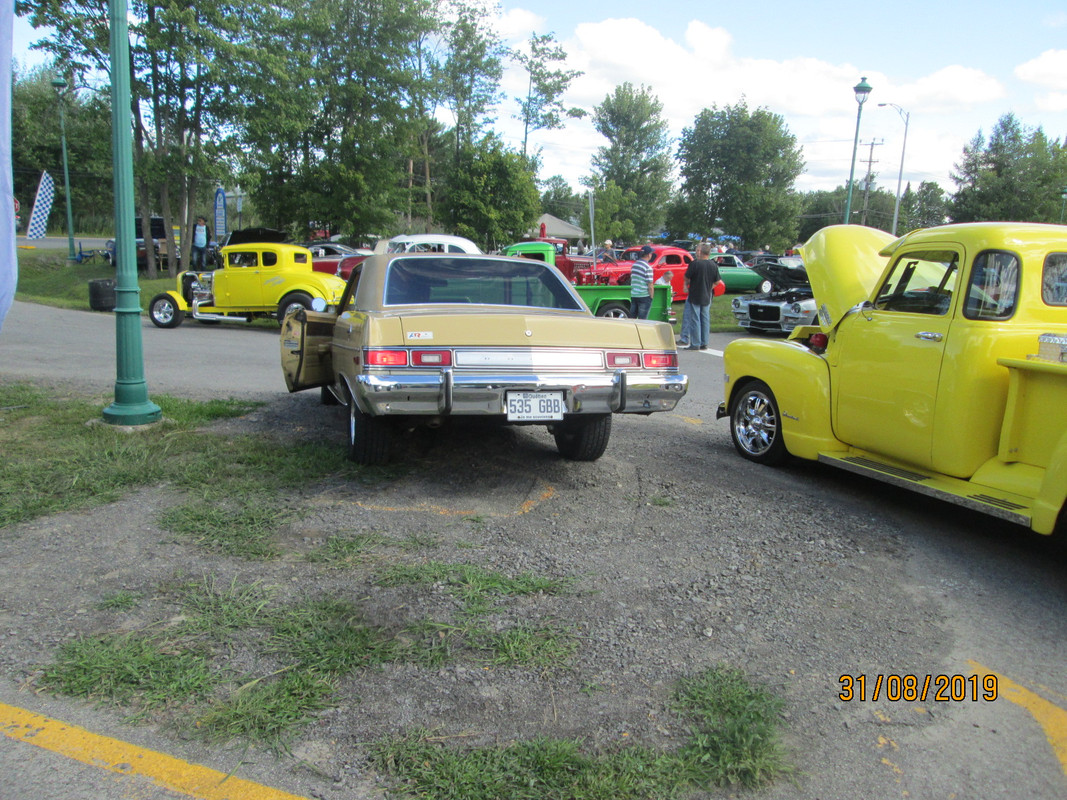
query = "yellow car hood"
x=546 y=329
x=844 y=266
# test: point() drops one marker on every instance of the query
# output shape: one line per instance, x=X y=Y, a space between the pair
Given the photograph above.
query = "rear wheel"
x=164 y=312
x=291 y=302
x=584 y=438
x=755 y=424
x=765 y=287
x=613 y=310
x=368 y=437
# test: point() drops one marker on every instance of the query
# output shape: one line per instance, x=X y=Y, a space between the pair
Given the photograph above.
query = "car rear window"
x=502 y=282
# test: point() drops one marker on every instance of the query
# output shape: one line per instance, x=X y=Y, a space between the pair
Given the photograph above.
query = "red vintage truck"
x=665 y=259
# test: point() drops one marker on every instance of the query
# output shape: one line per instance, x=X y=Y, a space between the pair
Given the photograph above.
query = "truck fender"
x=800 y=381
x=1053 y=493
x=178 y=299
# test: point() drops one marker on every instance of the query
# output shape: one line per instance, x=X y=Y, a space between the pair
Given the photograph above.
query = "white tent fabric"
x=8 y=258
x=557 y=228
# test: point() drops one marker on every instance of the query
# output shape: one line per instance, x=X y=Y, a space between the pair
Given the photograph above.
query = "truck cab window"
x=920 y=283
x=994 y=286
x=1054 y=279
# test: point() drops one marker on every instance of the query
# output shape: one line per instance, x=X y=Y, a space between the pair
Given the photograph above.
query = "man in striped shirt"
x=641 y=284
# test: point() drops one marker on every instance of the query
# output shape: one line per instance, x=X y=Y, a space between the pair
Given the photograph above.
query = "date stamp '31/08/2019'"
x=917 y=688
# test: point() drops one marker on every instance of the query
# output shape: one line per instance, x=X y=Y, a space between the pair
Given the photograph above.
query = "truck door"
x=889 y=365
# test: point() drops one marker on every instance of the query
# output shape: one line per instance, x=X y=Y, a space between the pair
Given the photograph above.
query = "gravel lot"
x=682 y=556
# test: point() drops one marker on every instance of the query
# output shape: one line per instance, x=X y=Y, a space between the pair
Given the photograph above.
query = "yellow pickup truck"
x=939 y=363
x=254 y=279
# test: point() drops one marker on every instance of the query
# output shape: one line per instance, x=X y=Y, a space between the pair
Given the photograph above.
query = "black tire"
x=613 y=310
x=293 y=301
x=164 y=312
x=766 y=287
x=624 y=280
x=583 y=438
x=369 y=438
x=755 y=424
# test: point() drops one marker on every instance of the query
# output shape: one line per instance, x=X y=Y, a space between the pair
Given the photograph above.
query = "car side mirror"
x=318 y=304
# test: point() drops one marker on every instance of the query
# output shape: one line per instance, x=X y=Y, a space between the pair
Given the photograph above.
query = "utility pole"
x=867 y=179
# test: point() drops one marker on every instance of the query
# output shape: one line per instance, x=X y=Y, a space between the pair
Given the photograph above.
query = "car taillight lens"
x=818 y=342
x=431 y=358
x=661 y=360
x=387 y=358
x=623 y=360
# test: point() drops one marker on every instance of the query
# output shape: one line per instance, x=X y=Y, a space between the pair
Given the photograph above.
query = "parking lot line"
x=79 y=744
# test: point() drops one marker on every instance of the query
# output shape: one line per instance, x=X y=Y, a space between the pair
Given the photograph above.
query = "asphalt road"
x=983 y=596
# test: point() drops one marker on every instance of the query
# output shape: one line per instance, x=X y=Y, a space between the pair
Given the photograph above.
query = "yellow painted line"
x=429 y=508
x=1051 y=718
x=192 y=780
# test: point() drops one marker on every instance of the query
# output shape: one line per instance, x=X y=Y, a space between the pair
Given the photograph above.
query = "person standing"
x=700 y=279
x=201 y=238
x=641 y=284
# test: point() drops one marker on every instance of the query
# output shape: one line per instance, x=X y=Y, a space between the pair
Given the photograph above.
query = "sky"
x=952 y=69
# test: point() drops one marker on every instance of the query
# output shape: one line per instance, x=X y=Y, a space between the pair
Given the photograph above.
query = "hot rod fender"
x=1049 y=502
x=800 y=381
x=184 y=306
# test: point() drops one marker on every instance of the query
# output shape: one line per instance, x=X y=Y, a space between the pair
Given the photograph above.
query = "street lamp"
x=60 y=85
x=862 y=90
x=904 y=115
x=1063 y=197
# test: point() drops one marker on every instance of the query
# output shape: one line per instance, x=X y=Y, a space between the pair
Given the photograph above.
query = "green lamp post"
x=1063 y=204
x=131 y=406
x=862 y=90
x=59 y=84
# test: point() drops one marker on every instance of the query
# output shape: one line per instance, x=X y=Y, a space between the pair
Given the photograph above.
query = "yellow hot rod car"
x=253 y=279
x=421 y=339
x=939 y=363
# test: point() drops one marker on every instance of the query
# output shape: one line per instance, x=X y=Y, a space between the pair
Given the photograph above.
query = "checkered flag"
x=42 y=207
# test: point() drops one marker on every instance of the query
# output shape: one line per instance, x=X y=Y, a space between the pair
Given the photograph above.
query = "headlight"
x=736 y=302
x=796 y=309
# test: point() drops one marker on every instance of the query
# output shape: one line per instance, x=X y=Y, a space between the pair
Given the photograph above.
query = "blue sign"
x=220 y=214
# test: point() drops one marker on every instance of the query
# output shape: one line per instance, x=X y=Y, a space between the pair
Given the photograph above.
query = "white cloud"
x=1053 y=101
x=1048 y=70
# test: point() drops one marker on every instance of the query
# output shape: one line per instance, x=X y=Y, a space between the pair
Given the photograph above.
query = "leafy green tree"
x=739 y=169
x=36 y=146
x=542 y=108
x=1017 y=175
x=560 y=200
x=489 y=196
x=471 y=68
x=637 y=159
x=924 y=208
x=612 y=216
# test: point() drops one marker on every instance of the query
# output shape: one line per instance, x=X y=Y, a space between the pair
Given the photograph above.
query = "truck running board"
x=1003 y=505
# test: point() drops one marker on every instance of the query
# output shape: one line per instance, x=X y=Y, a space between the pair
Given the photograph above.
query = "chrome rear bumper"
x=448 y=393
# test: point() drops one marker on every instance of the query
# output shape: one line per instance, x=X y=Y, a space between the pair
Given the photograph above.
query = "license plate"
x=534 y=406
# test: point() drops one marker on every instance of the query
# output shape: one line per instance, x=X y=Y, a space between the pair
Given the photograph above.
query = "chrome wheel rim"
x=755 y=423
x=163 y=311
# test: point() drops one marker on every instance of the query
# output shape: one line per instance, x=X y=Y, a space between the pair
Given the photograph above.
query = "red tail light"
x=818 y=342
x=624 y=360
x=661 y=360
x=387 y=358
x=431 y=358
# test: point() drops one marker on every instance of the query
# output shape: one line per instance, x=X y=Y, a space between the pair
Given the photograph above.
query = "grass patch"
x=243 y=527
x=346 y=551
x=733 y=741
x=527 y=645
x=119 y=601
x=45 y=276
x=474 y=585
x=130 y=669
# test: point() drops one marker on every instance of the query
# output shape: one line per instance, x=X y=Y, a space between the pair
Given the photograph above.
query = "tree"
x=611 y=212
x=739 y=170
x=637 y=158
x=471 y=69
x=560 y=200
x=924 y=208
x=489 y=195
x=542 y=107
x=1018 y=175
x=36 y=147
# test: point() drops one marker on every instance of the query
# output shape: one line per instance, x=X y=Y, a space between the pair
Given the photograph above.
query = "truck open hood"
x=844 y=266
